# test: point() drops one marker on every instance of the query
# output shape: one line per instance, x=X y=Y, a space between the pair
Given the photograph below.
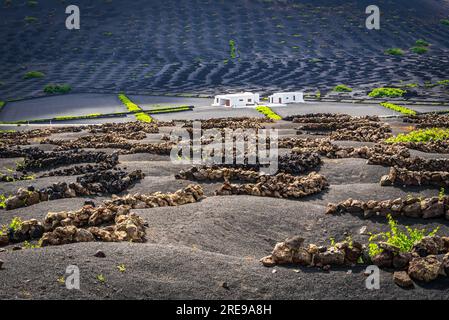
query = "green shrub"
x=233 y=49
x=445 y=22
x=101 y=278
x=89 y=116
x=167 y=110
x=2 y=104
x=443 y=82
x=419 y=50
x=398 y=108
x=403 y=240
x=268 y=113
x=143 y=117
x=30 y=19
x=394 y=51
x=441 y=194
x=421 y=43
x=15 y=224
x=29 y=245
x=32 y=3
x=57 y=88
x=342 y=88
x=3 y=199
x=387 y=92
x=132 y=107
x=33 y=75
x=423 y=135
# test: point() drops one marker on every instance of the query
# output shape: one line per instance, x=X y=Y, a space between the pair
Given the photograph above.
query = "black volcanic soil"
x=193 y=249
x=162 y=46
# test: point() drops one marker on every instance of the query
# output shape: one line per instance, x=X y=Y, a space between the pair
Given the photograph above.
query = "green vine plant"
x=441 y=194
x=387 y=93
x=398 y=108
x=403 y=240
x=132 y=107
x=421 y=135
x=15 y=224
x=342 y=88
x=3 y=199
x=233 y=49
x=29 y=245
x=270 y=114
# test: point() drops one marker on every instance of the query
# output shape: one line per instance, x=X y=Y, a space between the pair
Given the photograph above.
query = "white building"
x=237 y=100
x=286 y=97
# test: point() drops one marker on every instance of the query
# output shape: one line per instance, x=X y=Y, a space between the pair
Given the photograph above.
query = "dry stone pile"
x=22 y=137
x=412 y=164
x=190 y=194
x=218 y=173
x=343 y=127
x=17 y=151
x=332 y=120
x=325 y=147
x=428 y=147
x=131 y=130
x=113 y=141
x=14 y=177
x=100 y=141
x=364 y=134
x=428 y=120
x=292 y=251
x=109 y=181
x=381 y=152
x=296 y=142
x=231 y=123
x=404 y=177
x=85 y=226
x=106 y=223
x=28 y=230
x=162 y=148
x=38 y=159
x=280 y=186
x=412 y=207
x=87 y=216
x=289 y=163
x=112 y=221
x=297 y=163
x=95 y=183
x=81 y=169
x=428 y=259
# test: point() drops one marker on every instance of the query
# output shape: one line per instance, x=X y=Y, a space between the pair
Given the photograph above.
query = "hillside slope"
x=183 y=45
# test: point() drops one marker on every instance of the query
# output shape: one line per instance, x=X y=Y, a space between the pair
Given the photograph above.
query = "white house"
x=286 y=97
x=237 y=100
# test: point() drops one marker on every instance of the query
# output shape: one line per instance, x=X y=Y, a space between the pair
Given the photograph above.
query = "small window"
x=241 y=100
x=249 y=100
x=294 y=98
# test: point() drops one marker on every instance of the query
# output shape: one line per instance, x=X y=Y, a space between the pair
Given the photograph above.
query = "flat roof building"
x=286 y=97
x=237 y=100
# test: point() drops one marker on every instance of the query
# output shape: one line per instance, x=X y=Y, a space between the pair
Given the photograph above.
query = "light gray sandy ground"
x=58 y=106
x=85 y=104
x=193 y=249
